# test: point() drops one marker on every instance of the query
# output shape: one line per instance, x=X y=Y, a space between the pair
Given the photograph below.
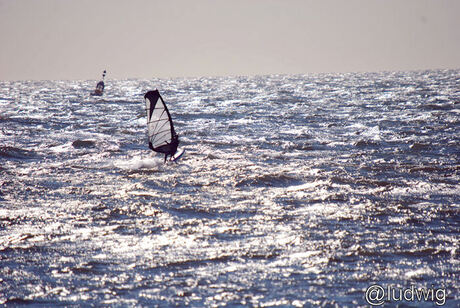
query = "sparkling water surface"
x=293 y=191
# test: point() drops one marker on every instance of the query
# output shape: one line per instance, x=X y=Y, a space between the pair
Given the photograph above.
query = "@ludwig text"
x=377 y=295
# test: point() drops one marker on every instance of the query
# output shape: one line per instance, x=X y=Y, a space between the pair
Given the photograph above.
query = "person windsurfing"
x=162 y=136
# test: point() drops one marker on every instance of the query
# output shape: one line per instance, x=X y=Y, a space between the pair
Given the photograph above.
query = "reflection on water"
x=294 y=190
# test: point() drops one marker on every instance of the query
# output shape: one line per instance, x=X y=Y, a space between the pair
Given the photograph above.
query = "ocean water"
x=308 y=190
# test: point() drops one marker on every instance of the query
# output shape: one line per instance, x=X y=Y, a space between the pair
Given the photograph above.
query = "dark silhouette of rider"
x=170 y=148
x=173 y=146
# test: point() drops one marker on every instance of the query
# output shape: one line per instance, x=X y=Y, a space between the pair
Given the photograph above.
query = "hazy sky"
x=77 y=39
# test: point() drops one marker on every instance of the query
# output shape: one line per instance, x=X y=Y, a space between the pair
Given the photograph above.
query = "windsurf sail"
x=161 y=133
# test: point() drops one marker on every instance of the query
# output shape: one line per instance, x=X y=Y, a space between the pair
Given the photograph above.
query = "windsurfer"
x=170 y=148
x=161 y=133
x=173 y=146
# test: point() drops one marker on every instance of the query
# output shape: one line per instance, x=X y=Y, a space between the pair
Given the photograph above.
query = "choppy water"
x=294 y=191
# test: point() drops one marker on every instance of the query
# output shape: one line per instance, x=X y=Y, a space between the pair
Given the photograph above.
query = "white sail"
x=160 y=127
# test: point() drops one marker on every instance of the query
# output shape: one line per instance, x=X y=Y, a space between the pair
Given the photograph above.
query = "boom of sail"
x=161 y=133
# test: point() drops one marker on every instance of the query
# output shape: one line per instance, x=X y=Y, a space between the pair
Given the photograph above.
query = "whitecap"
x=418 y=273
x=137 y=163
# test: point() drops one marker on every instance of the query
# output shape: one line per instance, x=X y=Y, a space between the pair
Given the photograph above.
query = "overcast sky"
x=64 y=39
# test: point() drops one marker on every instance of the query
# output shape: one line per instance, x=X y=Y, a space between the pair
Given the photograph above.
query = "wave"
x=138 y=163
x=83 y=144
x=13 y=152
x=271 y=180
x=419 y=146
x=438 y=104
x=366 y=143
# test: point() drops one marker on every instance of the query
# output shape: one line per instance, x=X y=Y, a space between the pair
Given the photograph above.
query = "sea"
x=316 y=190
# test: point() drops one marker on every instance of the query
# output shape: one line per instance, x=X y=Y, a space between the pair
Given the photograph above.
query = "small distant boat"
x=100 y=86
